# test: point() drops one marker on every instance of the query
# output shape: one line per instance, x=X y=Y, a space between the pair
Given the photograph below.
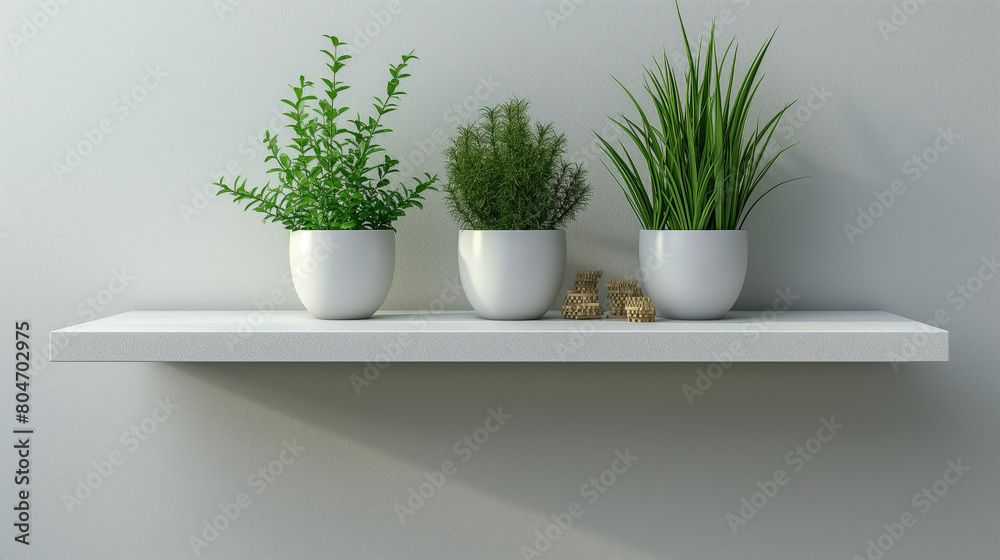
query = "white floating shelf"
x=295 y=336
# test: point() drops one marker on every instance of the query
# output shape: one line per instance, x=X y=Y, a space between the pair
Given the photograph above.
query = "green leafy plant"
x=505 y=174
x=701 y=171
x=329 y=176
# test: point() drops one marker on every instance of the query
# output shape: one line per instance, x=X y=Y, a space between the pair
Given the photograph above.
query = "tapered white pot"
x=342 y=274
x=693 y=275
x=512 y=275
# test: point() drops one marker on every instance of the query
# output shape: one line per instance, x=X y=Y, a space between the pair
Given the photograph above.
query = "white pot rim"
x=538 y=231
x=338 y=230
x=695 y=230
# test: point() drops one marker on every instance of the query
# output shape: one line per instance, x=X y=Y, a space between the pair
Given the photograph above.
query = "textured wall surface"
x=116 y=116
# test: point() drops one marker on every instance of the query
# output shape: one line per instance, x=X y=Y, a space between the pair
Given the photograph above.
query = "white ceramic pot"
x=512 y=275
x=693 y=275
x=342 y=274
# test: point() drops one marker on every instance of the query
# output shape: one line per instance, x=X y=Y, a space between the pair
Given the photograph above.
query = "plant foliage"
x=701 y=171
x=329 y=176
x=506 y=174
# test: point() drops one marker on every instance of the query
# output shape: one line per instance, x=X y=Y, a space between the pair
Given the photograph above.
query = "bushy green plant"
x=328 y=177
x=506 y=174
x=702 y=172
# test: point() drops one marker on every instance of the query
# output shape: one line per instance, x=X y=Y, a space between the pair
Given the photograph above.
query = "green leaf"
x=700 y=167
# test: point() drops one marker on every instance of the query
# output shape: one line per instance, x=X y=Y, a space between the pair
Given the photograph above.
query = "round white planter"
x=693 y=275
x=512 y=275
x=343 y=274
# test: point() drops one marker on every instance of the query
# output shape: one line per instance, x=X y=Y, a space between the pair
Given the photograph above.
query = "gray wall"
x=205 y=81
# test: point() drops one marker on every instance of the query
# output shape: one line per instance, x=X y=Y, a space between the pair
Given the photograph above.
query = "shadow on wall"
x=523 y=440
